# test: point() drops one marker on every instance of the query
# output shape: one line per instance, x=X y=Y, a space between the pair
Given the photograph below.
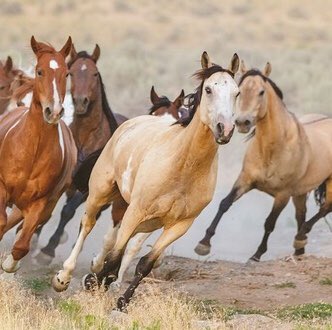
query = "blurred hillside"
x=160 y=42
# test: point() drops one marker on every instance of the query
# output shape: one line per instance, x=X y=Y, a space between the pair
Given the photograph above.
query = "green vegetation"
x=326 y=281
x=306 y=311
x=285 y=285
x=37 y=285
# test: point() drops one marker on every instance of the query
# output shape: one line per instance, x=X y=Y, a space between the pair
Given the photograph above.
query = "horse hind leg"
x=300 y=214
x=300 y=240
x=147 y=262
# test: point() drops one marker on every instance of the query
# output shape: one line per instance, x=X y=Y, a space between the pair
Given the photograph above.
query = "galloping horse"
x=92 y=126
x=10 y=80
x=165 y=187
x=37 y=152
x=286 y=158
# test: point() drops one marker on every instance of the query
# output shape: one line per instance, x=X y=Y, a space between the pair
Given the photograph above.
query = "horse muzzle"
x=52 y=116
x=81 y=105
x=244 y=124
x=224 y=135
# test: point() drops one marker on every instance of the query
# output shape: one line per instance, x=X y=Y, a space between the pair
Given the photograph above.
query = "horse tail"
x=26 y=87
x=320 y=194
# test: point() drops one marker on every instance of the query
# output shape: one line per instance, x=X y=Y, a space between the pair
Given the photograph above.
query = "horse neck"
x=273 y=130
x=198 y=142
x=91 y=131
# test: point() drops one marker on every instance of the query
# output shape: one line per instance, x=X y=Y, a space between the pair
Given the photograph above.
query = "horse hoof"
x=95 y=267
x=60 y=281
x=202 y=249
x=43 y=258
x=90 y=282
x=10 y=265
x=299 y=244
x=115 y=286
x=121 y=304
x=64 y=238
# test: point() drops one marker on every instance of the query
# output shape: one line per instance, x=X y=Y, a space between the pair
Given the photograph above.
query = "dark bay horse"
x=37 y=152
x=286 y=157
x=165 y=186
x=92 y=126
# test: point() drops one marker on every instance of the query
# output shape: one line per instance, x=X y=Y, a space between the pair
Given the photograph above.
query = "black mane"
x=255 y=72
x=194 y=99
x=162 y=102
x=81 y=54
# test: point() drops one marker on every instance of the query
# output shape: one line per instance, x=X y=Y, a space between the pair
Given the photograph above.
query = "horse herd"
x=157 y=171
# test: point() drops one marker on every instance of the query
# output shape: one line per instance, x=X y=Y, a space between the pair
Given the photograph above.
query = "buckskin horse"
x=165 y=187
x=286 y=157
x=37 y=152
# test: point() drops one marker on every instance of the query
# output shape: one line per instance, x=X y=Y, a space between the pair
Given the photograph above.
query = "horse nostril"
x=74 y=100
x=48 y=111
x=85 y=101
x=247 y=122
x=220 y=128
x=237 y=122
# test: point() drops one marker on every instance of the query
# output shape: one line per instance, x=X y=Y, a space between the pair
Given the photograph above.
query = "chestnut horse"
x=165 y=187
x=286 y=157
x=37 y=152
x=10 y=80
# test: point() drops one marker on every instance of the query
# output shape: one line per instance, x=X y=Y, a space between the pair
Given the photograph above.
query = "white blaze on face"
x=57 y=102
x=126 y=176
x=218 y=105
x=83 y=67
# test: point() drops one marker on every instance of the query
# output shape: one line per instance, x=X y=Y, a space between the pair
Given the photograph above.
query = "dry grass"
x=21 y=309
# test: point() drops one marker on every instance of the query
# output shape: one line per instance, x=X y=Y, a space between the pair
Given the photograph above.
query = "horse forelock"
x=81 y=54
x=194 y=99
x=256 y=72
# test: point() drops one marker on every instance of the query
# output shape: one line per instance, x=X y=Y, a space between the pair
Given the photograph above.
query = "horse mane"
x=256 y=72
x=162 y=102
x=26 y=88
x=194 y=99
x=106 y=108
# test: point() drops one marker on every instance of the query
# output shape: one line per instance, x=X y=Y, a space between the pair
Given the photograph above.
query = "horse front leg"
x=33 y=216
x=47 y=253
x=278 y=205
x=241 y=186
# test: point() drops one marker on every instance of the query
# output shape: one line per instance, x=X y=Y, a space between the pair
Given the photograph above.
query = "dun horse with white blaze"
x=165 y=187
x=286 y=157
x=37 y=153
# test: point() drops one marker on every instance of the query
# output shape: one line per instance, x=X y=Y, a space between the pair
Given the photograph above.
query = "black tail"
x=320 y=194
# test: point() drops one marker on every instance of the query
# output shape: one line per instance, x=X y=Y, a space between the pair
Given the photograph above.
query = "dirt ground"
x=266 y=286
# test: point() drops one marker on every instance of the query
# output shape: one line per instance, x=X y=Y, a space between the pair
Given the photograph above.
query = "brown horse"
x=162 y=105
x=92 y=126
x=10 y=80
x=285 y=158
x=165 y=187
x=37 y=152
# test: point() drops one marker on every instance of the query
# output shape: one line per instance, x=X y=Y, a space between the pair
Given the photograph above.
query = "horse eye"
x=95 y=74
x=261 y=93
x=208 y=90
x=2 y=88
x=39 y=72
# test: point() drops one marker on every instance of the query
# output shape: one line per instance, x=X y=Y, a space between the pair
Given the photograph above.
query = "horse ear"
x=235 y=63
x=267 y=70
x=154 y=96
x=73 y=52
x=34 y=45
x=205 y=61
x=243 y=67
x=8 y=65
x=179 y=100
x=65 y=50
x=96 y=53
